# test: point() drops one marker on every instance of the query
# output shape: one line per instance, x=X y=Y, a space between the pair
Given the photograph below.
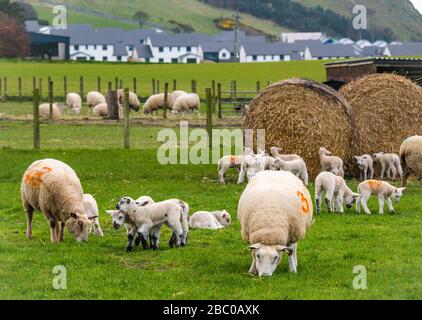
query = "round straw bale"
x=387 y=110
x=300 y=116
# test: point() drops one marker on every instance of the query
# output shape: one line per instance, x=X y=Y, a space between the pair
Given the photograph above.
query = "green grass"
x=246 y=74
x=215 y=263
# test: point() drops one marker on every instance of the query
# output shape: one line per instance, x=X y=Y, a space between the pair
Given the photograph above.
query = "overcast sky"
x=417 y=4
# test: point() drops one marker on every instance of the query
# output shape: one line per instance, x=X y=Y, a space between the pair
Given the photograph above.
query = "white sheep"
x=383 y=190
x=366 y=166
x=100 y=110
x=57 y=111
x=187 y=102
x=336 y=192
x=390 y=162
x=52 y=187
x=210 y=220
x=297 y=167
x=95 y=98
x=331 y=163
x=173 y=97
x=251 y=165
x=411 y=158
x=154 y=103
x=227 y=162
x=274 y=211
x=134 y=103
x=74 y=102
x=276 y=153
x=91 y=211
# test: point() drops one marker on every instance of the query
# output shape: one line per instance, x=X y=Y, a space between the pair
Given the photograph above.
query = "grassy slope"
x=214 y=265
x=245 y=74
x=399 y=16
x=199 y=15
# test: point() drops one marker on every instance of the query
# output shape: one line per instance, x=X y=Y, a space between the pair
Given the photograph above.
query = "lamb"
x=57 y=111
x=297 y=167
x=274 y=211
x=74 y=102
x=251 y=165
x=52 y=187
x=210 y=220
x=335 y=188
x=100 y=110
x=134 y=103
x=383 y=190
x=275 y=152
x=366 y=166
x=227 y=162
x=95 y=98
x=411 y=158
x=389 y=162
x=152 y=217
x=331 y=163
x=186 y=102
x=91 y=211
x=154 y=103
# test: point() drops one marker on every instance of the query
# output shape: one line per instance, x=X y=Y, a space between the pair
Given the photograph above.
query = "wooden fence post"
x=99 y=84
x=121 y=84
x=116 y=83
x=110 y=86
x=127 y=121
x=174 y=85
x=258 y=87
x=153 y=86
x=50 y=99
x=158 y=86
x=36 y=102
x=65 y=87
x=20 y=87
x=40 y=87
x=112 y=105
x=235 y=88
x=219 y=100
x=81 y=85
x=192 y=86
x=34 y=85
x=5 y=87
x=1 y=88
x=166 y=102
x=134 y=84
x=213 y=93
x=209 y=116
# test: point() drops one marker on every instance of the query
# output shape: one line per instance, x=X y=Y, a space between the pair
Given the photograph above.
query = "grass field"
x=215 y=263
x=246 y=74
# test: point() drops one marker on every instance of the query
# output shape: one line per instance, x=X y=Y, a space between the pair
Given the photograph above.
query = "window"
x=119 y=58
x=224 y=55
x=281 y=57
x=81 y=58
x=161 y=60
x=104 y=47
x=161 y=49
x=131 y=47
x=76 y=47
x=105 y=58
x=189 y=49
x=191 y=60
x=174 y=60
x=254 y=58
x=92 y=58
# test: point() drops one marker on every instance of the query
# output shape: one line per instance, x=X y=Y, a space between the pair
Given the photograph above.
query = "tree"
x=28 y=11
x=14 y=40
x=141 y=17
x=12 y=9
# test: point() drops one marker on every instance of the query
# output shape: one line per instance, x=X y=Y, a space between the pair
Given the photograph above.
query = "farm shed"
x=342 y=72
x=49 y=46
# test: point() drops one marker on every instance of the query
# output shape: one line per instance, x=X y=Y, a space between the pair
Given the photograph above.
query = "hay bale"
x=387 y=109
x=300 y=116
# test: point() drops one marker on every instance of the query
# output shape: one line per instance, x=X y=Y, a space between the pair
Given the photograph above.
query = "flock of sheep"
x=178 y=102
x=275 y=210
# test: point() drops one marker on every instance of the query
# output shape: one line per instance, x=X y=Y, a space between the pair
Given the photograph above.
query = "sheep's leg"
x=98 y=230
x=382 y=171
x=304 y=177
x=62 y=227
x=393 y=172
x=29 y=210
x=155 y=237
x=131 y=233
x=365 y=204
x=318 y=200
x=381 y=204
x=222 y=174
x=365 y=173
x=400 y=170
x=390 y=205
x=53 y=234
x=143 y=233
x=329 y=200
x=292 y=262
x=252 y=269
x=185 y=227
x=372 y=172
x=362 y=174
x=358 y=204
x=406 y=176
x=241 y=175
x=339 y=201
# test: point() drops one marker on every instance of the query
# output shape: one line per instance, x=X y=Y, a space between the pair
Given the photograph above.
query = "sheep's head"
x=79 y=226
x=350 y=199
x=118 y=218
x=267 y=258
x=125 y=204
x=397 y=194
x=247 y=151
x=147 y=109
x=255 y=164
x=324 y=151
x=225 y=218
x=275 y=151
x=377 y=156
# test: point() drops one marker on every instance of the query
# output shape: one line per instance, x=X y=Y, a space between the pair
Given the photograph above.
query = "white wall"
x=224 y=54
x=95 y=51
x=266 y=58
x=172 y=52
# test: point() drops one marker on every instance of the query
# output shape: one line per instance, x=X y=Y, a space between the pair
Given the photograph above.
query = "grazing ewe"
x=366 y=165
x=91 y=211
x=154 y=103
x=95 y=98
x=100 y=110
x=297 y=167
x=251 y=165
x=210 y=220
x=227 y=162
x=74 y=102
x=52 y=187
x=335 y=188
x=149 y=219
x=275 y=211
x=411 y=158
x=134 y=103
x=275 y=152
x=383 y=190
x=57 y=111
x=173 y=97
x=331 y=163
x=187 y=102
x=389 y=162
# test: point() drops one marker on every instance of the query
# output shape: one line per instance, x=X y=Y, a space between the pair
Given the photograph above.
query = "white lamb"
x=52 y=187
x=336 y=192
x=331 y=163
x=276 y=153
x=210 y=220
x=227 y=162
x=390 y=162
x=297 y=167
x=187 y=102
x=91 y=211
x=74 y=102
x=57 y=111
x=251 y=165
x=274 y=211
x=366 y=166
x=95 y=98
x=383 y=190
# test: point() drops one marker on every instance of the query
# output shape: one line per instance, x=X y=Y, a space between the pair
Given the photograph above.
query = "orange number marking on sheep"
x=34 y=177
x=374 y=184
x=305 y=203
x=233 y=160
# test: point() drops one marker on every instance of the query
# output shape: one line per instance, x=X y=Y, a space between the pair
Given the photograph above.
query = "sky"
x=417 y=4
